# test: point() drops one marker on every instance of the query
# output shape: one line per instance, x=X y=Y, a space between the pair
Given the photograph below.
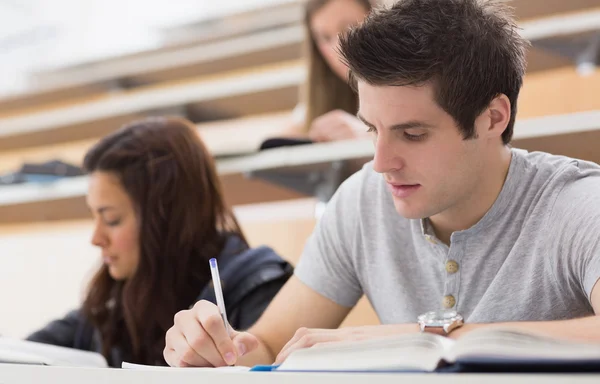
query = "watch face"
x=439 y=318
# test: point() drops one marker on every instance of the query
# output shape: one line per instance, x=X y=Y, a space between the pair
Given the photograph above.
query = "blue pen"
x=214 y=271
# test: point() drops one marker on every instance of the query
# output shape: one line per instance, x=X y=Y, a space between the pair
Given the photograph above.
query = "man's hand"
x=306 y=338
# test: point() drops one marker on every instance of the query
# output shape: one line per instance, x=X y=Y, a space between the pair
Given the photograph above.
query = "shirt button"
x=451 y=266
x=431 y=239
x=449 y=301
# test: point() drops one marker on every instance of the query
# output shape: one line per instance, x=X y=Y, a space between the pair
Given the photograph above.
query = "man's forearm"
x=583 y=329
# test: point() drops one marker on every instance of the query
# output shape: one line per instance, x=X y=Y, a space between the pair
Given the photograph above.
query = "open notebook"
x=16 y=351
x=485 y=350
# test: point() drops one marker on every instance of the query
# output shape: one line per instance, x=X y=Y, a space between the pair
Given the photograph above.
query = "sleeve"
x=61 y=332
x=326 y=264
x=576 y=215
x=254 y=304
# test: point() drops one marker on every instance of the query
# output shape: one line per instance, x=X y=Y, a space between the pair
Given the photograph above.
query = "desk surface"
x=286 y=158
x=570 y=23
x=12 y=374
x=569 y=123
x=65 y=198
x=279 y=158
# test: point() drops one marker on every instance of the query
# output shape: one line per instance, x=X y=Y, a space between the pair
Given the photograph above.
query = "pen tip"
x=213 y=262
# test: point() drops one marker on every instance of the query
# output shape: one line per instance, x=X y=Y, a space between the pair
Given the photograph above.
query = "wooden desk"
x=250 y=132
x=576 y=135
x=263 y=42
x=261 y=90
x=65 y=199
x=557 y=40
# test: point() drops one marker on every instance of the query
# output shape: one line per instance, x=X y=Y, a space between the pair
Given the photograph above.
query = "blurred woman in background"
x=159 y=217
x=329 y=106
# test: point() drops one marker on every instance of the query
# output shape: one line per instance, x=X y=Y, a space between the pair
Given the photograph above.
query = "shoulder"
x=243 y=270
x=579 y=197
x=555 y=166
x=571 y=188
x=572 y=183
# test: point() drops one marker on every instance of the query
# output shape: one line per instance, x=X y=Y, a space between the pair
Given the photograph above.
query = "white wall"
x=43 y=271
x=44 y=268
x=41 y=34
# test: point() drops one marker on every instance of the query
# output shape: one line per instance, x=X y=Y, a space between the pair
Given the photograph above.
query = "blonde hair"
x=323 y=90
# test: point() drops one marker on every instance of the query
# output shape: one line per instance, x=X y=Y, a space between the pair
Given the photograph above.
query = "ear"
x=494 y=119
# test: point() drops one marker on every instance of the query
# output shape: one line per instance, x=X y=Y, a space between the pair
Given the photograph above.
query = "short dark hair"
x=470 y=50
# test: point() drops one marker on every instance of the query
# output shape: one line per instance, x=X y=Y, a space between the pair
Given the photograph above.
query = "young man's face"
x=419 y=150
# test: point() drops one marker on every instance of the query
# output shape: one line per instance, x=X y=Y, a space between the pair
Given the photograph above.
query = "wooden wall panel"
x=558 y=91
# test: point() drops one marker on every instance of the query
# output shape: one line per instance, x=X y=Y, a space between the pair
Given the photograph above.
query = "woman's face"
x=335 y=17
x=116 y=229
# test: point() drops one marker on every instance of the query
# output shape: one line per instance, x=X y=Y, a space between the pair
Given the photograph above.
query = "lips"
x=403 y=190
x=109 y=259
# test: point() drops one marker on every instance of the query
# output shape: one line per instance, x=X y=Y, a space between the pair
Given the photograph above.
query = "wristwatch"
x=440 y=322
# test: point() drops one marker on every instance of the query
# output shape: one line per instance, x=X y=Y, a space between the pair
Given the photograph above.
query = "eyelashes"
x=420 y=137
x=406 y=135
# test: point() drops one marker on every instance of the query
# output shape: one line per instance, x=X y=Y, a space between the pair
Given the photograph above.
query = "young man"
x=447 y=215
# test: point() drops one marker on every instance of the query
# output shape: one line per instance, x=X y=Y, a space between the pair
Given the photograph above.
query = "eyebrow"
x=104 y=209
x=406 y=125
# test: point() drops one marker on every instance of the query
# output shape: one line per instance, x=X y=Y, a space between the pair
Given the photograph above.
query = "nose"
x=386 y=159
x=98 y=238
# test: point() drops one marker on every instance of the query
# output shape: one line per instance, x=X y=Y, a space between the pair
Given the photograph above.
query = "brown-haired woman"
x=159 y=217
x=329 y=105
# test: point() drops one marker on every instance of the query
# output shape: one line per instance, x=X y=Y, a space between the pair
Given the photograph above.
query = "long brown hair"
x=324 y=91
x=170 y=176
